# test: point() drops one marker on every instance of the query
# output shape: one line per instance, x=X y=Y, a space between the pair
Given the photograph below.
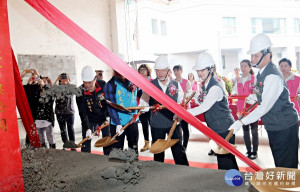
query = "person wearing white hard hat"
x=92 y=107
x=213 y=103
x=161 y=121
x=274 y=105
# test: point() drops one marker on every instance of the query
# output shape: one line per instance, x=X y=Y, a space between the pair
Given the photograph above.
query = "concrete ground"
x=198 y=148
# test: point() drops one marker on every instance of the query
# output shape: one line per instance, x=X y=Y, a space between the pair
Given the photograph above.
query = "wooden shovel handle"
x=176 y=120
x=125 y=126
x=247 y=110
x=116 y=106
x=227 y=138
x=142 y=107
x=229 y=135
x=172 y=129
x=101 y=127
x=135 y=108
x=252 y=106
x=189 y=98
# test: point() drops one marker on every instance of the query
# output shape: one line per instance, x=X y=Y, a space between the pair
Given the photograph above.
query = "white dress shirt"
x=214 y=94
x=273 y=87
x=144 y=100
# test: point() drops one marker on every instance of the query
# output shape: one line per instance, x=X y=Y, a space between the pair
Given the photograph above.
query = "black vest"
x=283 y=114
x=163 y=118
x=218 y=117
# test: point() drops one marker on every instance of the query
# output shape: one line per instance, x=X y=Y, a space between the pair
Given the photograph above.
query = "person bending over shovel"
x=161 y=121
x=92 y=107
x=213 y=103
x=122 y=92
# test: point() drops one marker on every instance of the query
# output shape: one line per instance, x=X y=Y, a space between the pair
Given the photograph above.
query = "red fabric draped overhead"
x=23 y=107
x=92 y=45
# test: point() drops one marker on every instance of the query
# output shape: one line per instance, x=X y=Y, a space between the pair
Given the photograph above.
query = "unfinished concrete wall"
x=49 y=65
x=32 y=34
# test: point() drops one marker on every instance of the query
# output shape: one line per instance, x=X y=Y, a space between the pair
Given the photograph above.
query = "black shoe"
x=253 y=155
x=248 y=154
x=211 y=152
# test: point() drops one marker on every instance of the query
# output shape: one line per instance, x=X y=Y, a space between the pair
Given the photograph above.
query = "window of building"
x=297 y=25
x=154 y=26
x=159 y=27
x=229 y=25
x=268 y=25
x=223 y=61
x=163 y=28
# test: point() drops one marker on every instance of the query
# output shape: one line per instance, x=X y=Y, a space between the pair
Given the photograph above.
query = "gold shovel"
x=72 y=145
x=106 y=141
x=217 y=148
x=142 y=107
x=161 y=145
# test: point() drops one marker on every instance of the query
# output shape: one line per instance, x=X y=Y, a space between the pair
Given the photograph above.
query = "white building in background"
x=184 y=28
x=142 y=29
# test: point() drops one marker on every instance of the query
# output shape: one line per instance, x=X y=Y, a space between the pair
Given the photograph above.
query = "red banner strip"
x=11 y=176
x=92 y=45
x=24 y=108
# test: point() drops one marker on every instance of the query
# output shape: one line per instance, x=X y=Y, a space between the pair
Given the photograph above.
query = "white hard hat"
x=88 y=74
x=203 y=61
x=258 y=43
x=162 y=62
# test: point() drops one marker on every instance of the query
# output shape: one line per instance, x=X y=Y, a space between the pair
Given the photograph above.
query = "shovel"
x=106 y=141
x=116 y=106
x=71 y=144
x=161 y=145
x=142 y=107
x=217 y=148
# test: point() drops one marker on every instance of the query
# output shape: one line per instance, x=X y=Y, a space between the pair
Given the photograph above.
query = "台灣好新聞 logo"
x=233 y=177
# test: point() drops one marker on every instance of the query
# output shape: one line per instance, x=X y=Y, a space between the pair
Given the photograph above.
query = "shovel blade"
x=105 y=141
x=70 y=144
x=218 y=149
x=161 y=145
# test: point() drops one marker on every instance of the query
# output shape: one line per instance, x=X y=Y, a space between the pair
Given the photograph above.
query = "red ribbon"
x=182 y=105
x=157 y=108
x=135 y=116
x=98 y=130
x=93 y=46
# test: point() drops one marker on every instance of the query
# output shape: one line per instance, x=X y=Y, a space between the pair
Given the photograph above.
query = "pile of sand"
x=58 y=170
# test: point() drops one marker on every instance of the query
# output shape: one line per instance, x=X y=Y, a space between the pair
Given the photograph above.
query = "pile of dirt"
x=59 y=170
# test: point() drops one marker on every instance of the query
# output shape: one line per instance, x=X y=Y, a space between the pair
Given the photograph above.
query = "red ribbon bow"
x=243 y=113
x=182 y=104
x=157 y=107
x=98 y=130
x=135 y=116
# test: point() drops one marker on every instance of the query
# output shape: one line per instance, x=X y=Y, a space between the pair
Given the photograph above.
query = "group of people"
x=275 y=108
x=41 y=106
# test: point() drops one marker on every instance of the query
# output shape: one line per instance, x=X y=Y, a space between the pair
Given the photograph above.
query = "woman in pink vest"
x=191 y=83
x=243 y=87
x=291 y=80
